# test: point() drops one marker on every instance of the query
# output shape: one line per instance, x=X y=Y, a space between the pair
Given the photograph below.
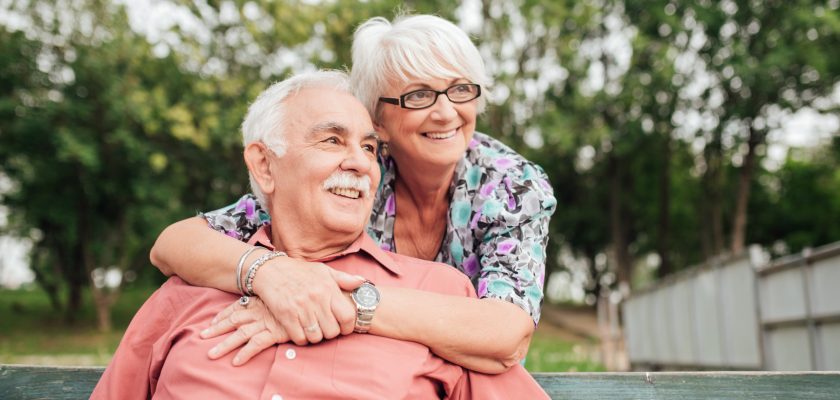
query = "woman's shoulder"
x=490 y=162
x=434 y=276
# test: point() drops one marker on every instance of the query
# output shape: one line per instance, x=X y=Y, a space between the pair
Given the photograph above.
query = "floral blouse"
x=496 y=229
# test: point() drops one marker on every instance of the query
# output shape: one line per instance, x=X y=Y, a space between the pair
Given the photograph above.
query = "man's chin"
x=346 y=227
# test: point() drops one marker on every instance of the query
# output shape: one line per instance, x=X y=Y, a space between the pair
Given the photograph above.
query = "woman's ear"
x=381 y=132
x=259 y=166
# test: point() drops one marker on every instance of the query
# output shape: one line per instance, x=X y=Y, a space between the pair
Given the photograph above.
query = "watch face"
x=366 y=295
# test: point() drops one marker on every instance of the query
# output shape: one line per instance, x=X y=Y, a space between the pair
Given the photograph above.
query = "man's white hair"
x=265 y=121
x=413 y=47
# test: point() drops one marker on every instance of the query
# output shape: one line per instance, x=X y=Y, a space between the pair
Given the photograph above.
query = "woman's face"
x=436 y=136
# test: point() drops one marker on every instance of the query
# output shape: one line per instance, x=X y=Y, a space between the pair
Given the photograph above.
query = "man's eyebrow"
x=337 y=128
x=328 y=126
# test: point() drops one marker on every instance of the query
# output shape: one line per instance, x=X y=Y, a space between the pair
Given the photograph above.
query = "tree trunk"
x=102 y=301
x=713 y=183
x=37 y=264
x=74 y=295
x=664 y=223
x=618 y=229
x=739 y=222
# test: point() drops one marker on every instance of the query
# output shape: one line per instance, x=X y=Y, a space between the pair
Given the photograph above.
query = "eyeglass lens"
x=456 y=94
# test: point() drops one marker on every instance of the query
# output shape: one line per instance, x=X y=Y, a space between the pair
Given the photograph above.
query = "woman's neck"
x=425 y=188
x=420 y=222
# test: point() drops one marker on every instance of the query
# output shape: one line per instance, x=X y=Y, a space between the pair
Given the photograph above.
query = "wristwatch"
x=366 y=298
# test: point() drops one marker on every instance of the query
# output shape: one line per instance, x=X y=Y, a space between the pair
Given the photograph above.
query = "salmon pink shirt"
x=161 y=355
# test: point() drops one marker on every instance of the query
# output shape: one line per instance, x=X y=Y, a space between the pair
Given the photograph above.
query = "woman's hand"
x=306 y=298
x=310 y=307
x=255 y=328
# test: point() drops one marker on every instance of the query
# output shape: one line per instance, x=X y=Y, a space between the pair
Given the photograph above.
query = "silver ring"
x=244 y=300
x=312 y=328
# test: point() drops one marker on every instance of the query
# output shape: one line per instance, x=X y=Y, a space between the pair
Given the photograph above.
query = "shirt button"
x=291 y=354
x=277 y=397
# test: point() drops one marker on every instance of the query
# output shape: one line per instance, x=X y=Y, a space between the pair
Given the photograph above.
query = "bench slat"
x=19 y=382
x=692 y=385
x=40 y=382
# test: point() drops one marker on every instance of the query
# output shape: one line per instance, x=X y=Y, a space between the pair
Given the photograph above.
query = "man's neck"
x=303 y=245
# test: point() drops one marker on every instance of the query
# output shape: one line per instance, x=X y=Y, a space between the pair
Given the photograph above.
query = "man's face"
x=326 y=181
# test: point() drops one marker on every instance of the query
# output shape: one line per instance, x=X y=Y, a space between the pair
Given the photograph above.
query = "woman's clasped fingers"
x=236 y=339
x=312 y=329
x=233 y=320
x=258 y=342
x=227 y=311
x=328 y=324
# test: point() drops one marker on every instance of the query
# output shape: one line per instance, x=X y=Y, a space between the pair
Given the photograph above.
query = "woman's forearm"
x=484 y=335
x=198 y=254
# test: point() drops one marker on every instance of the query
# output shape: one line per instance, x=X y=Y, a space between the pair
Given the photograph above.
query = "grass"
x=551 y=354
x=32 y=333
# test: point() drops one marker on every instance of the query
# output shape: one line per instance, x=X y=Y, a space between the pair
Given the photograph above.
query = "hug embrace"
x=388 y=250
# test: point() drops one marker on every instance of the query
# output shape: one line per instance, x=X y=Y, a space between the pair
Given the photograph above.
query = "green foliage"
x=793 y=204
x=108 y=135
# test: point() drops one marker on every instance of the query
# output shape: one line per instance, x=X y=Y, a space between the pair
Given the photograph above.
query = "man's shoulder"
x=179 y=294
x=433 y=276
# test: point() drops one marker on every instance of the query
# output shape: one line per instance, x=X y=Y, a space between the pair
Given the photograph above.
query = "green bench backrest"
x=38 y=382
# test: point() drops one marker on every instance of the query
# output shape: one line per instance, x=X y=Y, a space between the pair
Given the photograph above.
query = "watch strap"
x=364 y=315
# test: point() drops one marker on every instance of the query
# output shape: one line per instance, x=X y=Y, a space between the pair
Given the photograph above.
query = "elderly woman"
x=448 y=194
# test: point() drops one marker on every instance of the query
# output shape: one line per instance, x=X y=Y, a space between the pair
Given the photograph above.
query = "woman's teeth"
x=440 y=135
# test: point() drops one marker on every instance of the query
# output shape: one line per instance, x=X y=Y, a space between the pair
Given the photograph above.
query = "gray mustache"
x=347 y=180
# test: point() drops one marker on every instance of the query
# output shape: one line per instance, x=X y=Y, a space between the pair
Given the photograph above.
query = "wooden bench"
x=44 y=382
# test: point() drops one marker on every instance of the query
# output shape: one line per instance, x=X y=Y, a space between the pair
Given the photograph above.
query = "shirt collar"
x=363 y=243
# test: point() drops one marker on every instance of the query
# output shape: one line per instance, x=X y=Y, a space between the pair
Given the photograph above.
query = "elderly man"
x=316 y=169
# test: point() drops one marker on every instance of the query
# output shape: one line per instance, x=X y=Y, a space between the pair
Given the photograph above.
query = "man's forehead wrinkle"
x=327 y=126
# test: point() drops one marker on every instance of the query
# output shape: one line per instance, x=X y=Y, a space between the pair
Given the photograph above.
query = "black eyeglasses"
x=425 y=98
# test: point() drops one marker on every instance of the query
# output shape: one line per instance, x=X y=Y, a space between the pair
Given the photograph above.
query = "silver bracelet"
x=252 y=270
x=239 y=268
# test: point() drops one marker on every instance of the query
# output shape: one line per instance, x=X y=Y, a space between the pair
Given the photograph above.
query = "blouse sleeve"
x=239 y=220
x=512 y=252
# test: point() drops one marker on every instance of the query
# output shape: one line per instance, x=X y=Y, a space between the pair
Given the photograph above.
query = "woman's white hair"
x=266 y=116
x=418 y=47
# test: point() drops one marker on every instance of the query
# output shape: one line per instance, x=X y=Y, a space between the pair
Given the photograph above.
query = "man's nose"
x=357 y=160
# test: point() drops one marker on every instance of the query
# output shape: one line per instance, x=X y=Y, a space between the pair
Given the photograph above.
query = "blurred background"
x=693 y=147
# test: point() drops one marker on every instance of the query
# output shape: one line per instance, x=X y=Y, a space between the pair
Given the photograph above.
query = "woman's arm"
x=484 y=335
x=198 y=254
x=299 y=293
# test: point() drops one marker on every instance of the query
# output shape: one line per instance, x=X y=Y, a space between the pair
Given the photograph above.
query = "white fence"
x=784 y=315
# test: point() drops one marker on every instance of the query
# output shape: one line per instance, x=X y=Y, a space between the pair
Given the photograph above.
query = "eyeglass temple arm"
x=390 y=100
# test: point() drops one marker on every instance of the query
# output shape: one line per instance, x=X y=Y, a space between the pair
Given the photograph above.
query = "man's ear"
x=259 y=165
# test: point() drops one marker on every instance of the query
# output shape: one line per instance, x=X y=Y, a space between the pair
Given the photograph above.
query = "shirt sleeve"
x=516 y=383
x=512 y=252
x=239 y=220
x=132 y=372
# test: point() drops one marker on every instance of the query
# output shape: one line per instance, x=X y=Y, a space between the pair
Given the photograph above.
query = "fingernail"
x=214 y=320
x=214 y=351
x=359 y=277
x=236 y=360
